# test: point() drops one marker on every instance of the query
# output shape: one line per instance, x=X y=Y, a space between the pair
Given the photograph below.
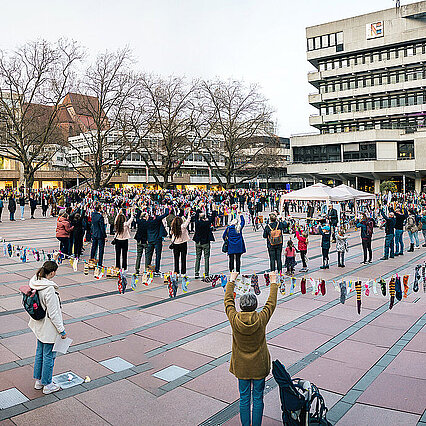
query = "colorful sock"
x=223 y=281
x=303 y=286
x=123 y=281
x=314 y=286
x=96 y=272
x=343 y=292
x=282 y=284
x=405 y=282
x=133 y=282
x=144 y=277
x=382 y=283
x=215 y=279
x=367 y=288
x=392 y=292
x=150 y=278
x=175 y=285
x=336 y=286
x=322 y=287
x=375 y=286
x=166 y=279
x=267 y=280
x=292 y=284
x=255 y=284
x=424 y=278
x=120 y=284
x=170 y=287
x=86 y=268
x=417 y=278
x=358 y=295
x=398 y=288
x=185 y=283
x=75 y=265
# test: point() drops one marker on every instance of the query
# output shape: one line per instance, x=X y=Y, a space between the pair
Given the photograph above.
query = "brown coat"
x=250 y=359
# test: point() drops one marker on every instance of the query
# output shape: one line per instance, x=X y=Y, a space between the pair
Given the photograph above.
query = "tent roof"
x=316 y=192
x=356 y=194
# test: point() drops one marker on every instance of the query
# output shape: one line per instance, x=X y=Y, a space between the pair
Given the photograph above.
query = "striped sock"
x=358 y=295
x=392 y=292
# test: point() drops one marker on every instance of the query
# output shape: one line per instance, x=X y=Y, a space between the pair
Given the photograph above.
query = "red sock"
x=322 y=287
x=303 y=286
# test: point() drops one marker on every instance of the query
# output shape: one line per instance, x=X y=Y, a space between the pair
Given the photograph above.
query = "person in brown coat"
x=250 y=359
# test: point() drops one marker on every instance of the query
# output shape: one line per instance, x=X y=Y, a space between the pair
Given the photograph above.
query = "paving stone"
x=171 y=373
x=11 y=397
x=116 y=364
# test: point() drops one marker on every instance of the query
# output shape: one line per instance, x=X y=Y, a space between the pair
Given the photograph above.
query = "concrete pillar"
x=418 y=185
x=403 y=184
x=376 y=186
x=356 y=182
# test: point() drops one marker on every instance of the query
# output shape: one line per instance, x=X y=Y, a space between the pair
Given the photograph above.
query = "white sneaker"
x=51 y=388
x=38 y=385
x=22 y=218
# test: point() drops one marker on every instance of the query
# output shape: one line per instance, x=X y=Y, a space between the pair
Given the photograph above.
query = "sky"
x=256 y=41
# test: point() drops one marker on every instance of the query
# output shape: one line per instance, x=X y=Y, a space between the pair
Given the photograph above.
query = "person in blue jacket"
x=99 y=235
x=236 y=246
x=325 y=245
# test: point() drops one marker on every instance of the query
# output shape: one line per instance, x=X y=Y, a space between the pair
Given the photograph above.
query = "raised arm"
x=270 y=305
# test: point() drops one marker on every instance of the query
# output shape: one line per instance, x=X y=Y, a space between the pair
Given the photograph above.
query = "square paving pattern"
x=155 y=360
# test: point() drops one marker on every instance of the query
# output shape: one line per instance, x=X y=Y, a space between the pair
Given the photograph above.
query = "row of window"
x=374 y=103
x=374 y=79
x=405 y=123
x=337 y=153
x=327 y=40
x=371 y=57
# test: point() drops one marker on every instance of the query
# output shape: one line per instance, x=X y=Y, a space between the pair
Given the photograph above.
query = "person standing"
x=273 y=233
x=423 y=225
x=1 y=207
x=390 y=235
x=63 y=232
x=33 y=205
x=122 y=236
x=203 y=237
x=341 y=247
x=141 y=238
x=21 y=201
x=333 y=219
x=77 y=220
x=366 y=225
x=236 y=246
x=12 y=207
x=47 y=329
x=399 y=231
x=413 y=230
x=155 y=234
x=44 y=205
x=325 y=246
x=180 y=238
x=302 y=246
x=250 y=358
x=99 y=235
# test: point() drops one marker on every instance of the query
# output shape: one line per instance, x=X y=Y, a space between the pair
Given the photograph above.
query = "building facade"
x=370 y=81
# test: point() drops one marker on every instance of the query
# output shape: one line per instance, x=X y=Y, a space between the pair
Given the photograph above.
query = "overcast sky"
x=258 y=41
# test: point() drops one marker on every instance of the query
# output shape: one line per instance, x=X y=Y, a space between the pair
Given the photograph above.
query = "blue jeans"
x=158 y=246
x=245 y=388
x=22 y=211
x=43 y=363
x=399 y=244
x=389 y=245
x=414 y=237
x=98 y=242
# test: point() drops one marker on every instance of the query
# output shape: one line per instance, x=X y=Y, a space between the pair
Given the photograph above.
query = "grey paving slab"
x=116 y=364
x=171 y=373
x=11 y=397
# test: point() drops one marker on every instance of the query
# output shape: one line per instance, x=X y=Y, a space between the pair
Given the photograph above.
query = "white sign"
x=374 y=30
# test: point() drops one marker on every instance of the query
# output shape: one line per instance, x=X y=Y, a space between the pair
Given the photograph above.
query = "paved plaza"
x=153 y=360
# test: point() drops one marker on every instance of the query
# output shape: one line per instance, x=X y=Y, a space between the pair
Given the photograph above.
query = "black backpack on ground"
x=301 y=401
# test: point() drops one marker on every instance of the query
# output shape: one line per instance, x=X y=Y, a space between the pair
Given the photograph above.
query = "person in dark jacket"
x=275 y=248
x=12 y=207
x=33 y=205
x=21 y=201
x=155 y=234
x=366 y=226
x=203 y=237
x=141 y=237
x=99 y=235
x=77 y=220
x=236 y=246
x=325 y=245
x=399 y=231
x=333 y=220
x=390 y=233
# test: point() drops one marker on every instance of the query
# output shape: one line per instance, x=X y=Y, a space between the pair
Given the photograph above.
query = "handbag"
x=172 y=245
x=114 y=240
x=225 y=242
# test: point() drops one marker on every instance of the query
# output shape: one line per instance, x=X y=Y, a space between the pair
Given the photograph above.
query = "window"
x=420 y=99
x=322 y=66
x=385 y=103
x=385 y=79
x=377 y=104
x=409 y=51
x=377 y=80
x=402 y=101
x=317 y=153
x=317 y=42
x=339 y=38
x=310 y=44
x=405 y=150
x=345 y=85
x=393 y=79
x=332 y=39
x=368 y=105
x=355 y=151
x=411 y=100
x=324 y=40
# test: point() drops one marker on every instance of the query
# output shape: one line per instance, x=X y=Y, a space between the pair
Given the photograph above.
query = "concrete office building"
x=370 y=81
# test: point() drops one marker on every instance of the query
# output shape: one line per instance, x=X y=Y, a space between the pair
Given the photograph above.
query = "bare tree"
x=103 y=110
x=170 y=106
x=33 y=82
x=237 y=115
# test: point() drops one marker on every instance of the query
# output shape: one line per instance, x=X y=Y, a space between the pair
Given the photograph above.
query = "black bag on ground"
x=297 y=399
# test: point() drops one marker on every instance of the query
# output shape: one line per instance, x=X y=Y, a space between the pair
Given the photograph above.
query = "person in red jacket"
x=63 y=231
x=302 y=246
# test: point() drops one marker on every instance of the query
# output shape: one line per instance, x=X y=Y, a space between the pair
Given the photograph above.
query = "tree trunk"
x=97 y=180
x=28 y=177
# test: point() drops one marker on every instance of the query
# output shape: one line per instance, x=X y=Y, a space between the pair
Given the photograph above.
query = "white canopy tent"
x=355 y=193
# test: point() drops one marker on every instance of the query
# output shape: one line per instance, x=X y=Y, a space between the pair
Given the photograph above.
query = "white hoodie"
x=47 y=329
